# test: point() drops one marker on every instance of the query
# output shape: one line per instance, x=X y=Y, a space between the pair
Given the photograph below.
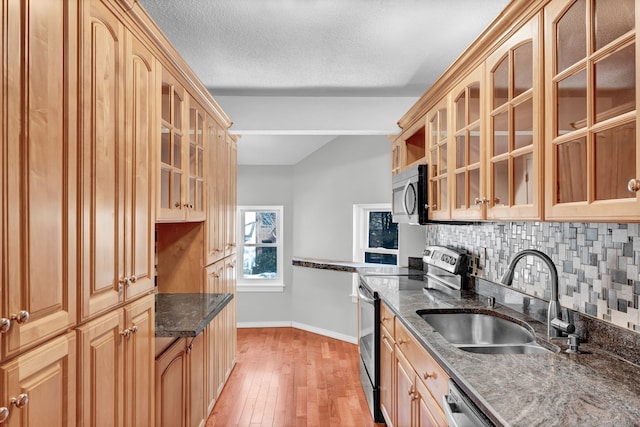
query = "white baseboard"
x=302 y=326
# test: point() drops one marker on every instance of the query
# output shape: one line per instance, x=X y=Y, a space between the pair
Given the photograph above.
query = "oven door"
x=369 y=341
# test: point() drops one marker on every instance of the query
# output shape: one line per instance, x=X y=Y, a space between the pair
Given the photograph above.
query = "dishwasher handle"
x=449 y=410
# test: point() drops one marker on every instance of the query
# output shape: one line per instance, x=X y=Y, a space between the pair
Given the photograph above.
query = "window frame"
x=360 y=236
x=263 y=284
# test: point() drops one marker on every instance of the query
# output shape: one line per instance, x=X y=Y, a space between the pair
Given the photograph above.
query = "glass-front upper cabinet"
x=437 y=134
x=515 y=127
x=171 y=150
x=469 y=197
x=592 y=162
x=196 y=191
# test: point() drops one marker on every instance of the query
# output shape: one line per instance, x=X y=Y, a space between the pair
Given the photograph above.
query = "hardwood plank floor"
x=289 y=377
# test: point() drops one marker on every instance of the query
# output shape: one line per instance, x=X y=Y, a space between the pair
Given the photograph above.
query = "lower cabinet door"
x=429 y=412
x=43 y=384
x=387 y=360
x=196 y=384
x=171 y=391
x=101 y=371
x=405 y=391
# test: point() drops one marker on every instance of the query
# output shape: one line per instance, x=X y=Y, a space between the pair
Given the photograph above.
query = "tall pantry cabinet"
x=80 y=123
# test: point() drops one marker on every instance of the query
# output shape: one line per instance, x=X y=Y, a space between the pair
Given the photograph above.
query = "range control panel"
x=447 y=259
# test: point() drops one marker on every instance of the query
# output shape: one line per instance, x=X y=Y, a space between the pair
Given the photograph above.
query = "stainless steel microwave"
x=409 y=199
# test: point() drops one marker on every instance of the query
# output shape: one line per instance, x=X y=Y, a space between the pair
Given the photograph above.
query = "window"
x=260 y=257
x=375 y=236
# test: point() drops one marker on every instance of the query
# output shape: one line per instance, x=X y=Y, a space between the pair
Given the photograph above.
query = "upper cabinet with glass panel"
x=182 y=170
x=515 y=127
x=437 y=158
x=592 y=147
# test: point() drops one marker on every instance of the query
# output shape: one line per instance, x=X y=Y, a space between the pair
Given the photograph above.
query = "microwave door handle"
x=404 y=198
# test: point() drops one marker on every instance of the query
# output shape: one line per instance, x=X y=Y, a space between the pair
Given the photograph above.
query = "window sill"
x=271 y=287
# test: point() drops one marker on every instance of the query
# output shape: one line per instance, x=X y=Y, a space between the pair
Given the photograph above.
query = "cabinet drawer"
x=428 y=370
x=387 y=319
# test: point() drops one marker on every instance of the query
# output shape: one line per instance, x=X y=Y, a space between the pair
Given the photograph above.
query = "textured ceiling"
x=337 y=48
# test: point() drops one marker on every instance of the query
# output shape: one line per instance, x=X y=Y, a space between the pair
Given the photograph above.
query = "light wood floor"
x=289 y=377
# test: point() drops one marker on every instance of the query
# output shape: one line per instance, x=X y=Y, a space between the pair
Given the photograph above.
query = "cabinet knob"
x=20 y=401
x=188 y=205
x=384 y=318
x=177 y=205
x=402 y=341
x=5 y=324
x=4 y=414
x=633 y=185
x=126 y=333
x=427 y=375
x=134 y=329
x=132 y=279
x=481 y=201
x=21 y=317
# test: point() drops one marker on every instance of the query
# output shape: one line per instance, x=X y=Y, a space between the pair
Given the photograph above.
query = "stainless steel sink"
x=483 y=332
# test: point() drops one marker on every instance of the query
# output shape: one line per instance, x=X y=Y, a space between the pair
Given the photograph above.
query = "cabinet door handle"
x=132 y=279
x=20 y=401
x=4 y=414
x=427 y=375
x=21 y=317
x=5 y=325
x=633 y=185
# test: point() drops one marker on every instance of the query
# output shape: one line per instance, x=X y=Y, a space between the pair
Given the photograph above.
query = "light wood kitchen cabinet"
x=40 y=168
x=39 y=386
x=180 y=385
x=438 y=145
x=117 y=195
x=514 y=145
x=592 y=156
x=395 y=155
x=420 y=383
x=116 y=374
x=387 y=363
x=468 y=172
x=182 y=155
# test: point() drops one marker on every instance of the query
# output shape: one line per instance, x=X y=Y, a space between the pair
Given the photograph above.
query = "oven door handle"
x=363 y=297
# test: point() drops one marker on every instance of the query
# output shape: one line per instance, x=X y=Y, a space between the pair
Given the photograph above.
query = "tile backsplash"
x=598 y=264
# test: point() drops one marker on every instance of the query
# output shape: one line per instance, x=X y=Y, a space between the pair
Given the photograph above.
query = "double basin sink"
x=484 y=331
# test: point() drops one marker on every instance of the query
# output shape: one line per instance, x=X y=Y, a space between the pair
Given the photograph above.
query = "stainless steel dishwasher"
x=461 y=411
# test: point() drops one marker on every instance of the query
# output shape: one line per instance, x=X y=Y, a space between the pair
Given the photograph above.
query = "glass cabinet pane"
x=192 y=159
x=165 y=177
x=442 y=124
x=199 y=195
x=177 y=111
x=177 y=151
x=460 y=112
x=443 y=159
x=571 y=36
x=615 y=162
x=501 y=83
x=461 y=149
x=572 y=103
x=200 y=167
x=461 y=202
x=500 y=133
x=612 y=19
x=522 y=184
x=474 y=187
x=474 y=144
x=192 y=191
x=571 y=171
x=474 y=103
x=166 y=102
x=615 y=82
x=176 y=191
x=523 y=124
x=165 y=147
x=501 y=183
x=522 y=68
x=444 y=194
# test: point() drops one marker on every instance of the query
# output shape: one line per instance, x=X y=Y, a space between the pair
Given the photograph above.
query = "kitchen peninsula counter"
x=556 y=389
x=186 y=315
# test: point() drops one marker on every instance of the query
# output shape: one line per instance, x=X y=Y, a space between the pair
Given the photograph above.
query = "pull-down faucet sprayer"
x=555 y=325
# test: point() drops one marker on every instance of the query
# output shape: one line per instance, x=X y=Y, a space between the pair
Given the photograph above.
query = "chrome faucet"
x=555 y=325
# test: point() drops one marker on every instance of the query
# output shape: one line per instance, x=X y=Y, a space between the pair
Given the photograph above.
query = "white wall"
x=268 y=185
x=322 y=190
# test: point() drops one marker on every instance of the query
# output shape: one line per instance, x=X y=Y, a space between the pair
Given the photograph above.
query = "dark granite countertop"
x=186 y=315
x=557 y=389
x=349 y=266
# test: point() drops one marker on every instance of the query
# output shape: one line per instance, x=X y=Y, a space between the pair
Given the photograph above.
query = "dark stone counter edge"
x=326 y=265
x=200 y=327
